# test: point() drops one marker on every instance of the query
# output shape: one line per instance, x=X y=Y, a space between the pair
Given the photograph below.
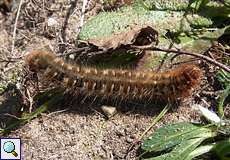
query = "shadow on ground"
x=12 y=107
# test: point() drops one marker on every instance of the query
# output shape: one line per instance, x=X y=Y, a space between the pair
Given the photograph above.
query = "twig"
x=56 y=112
x=211 y=93
x=83 y=12
x=15 y=27
x=10 y=115
x=82 y=16
x=151 y=47
x=203 y=100
x=78 y=50
x=7 y=60
x=30 y=100
x=64 y=27
x=66 y=21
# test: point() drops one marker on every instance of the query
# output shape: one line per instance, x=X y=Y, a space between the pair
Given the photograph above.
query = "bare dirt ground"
x=79 y=131
x=80 y=135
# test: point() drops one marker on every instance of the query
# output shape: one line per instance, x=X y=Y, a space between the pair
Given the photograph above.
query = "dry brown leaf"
x=136 y=35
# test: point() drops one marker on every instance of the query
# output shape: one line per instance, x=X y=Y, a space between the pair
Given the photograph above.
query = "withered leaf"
x=135 y=36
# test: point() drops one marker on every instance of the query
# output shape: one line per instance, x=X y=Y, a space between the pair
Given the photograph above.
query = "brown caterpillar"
x=125 y=84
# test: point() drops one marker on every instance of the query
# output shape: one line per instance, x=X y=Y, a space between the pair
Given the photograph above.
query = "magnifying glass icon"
x=9 y=147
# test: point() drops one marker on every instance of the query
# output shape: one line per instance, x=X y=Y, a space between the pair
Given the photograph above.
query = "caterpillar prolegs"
x=125 y=84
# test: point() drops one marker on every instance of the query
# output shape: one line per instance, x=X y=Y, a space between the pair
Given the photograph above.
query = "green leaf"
x=172 y=5
x=123 y=20
x=200 y=151
x=181 y=151
x=227 y=3
x=200 y=41
x=224 y=78
x=198 y=4
x=218 y=12
x=173 y=134
x=161 y=157
x=222 y=99
x=222 y=149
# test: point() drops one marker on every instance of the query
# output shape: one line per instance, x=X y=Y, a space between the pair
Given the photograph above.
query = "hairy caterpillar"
x=125 y=84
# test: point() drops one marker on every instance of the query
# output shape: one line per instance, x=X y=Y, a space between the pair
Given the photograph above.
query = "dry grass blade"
x=15 y=27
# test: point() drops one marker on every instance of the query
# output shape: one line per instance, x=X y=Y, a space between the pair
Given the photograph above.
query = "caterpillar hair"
x=169 y=85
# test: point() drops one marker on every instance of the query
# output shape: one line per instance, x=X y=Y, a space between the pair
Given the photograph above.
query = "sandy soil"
x=86 y=134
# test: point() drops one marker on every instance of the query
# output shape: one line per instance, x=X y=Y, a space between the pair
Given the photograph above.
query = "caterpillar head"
x=188 y=78
x=192 y=74
x=37 y=60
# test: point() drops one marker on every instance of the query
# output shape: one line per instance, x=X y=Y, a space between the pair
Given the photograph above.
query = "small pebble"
x=52 y=22
x=109 y=111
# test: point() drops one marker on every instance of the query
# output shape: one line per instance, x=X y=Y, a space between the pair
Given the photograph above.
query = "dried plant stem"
x=179 y=52
x=15 y=27
x=82 y=16
x=83 y=12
